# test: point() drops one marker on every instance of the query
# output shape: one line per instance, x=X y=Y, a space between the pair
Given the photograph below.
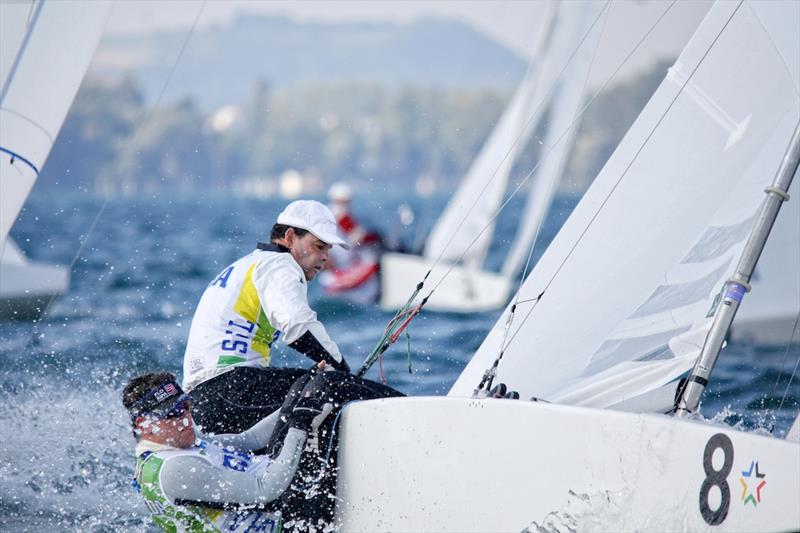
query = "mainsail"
x=623 y=298
x=45 y=49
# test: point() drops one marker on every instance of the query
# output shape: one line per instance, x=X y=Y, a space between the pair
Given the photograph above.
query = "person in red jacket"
x=352 y=274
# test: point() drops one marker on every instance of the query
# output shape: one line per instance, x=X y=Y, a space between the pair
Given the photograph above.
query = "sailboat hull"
x=26 y=287
x=462 y=290
x=452 y=464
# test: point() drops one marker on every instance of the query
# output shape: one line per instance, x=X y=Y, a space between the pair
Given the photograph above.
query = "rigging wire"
x=405 y=310
x=535 y=114
x=635 y=156
x=577 y=117
x=796 y=365
x=144 y=120
x=785 y=355
x=491 y=372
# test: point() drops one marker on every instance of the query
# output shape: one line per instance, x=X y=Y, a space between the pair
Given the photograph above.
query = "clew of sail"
x=631 y=281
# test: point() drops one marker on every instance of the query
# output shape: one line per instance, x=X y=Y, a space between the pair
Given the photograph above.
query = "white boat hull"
x=26 y=286
x=463 y=290
x=451 y=464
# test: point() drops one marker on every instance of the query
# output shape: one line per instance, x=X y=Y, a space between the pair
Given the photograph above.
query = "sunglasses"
x=178 y=409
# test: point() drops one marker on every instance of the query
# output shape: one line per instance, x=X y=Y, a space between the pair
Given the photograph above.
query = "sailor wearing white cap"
x=246 y=308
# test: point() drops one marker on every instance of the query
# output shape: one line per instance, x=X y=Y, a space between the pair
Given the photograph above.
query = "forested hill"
x=221 y=63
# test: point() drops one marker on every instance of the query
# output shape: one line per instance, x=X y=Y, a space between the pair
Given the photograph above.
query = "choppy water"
x=65 y=445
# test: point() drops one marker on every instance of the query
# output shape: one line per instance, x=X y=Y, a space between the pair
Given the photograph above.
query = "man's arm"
x=191 y=479
x=282 y=291
x=309 y=345
x=255 y=438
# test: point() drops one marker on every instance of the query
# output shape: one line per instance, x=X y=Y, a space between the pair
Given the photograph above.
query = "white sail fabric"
x=45 y=49
x=470 y=211
x=629 y=283
x=576 y=22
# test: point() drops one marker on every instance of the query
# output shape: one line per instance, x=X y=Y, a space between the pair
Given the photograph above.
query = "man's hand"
x=309 y=413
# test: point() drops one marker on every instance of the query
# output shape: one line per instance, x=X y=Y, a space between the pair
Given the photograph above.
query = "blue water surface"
x=141 y=264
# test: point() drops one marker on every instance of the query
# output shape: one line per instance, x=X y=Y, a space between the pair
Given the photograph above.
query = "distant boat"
x=459 y=242
x=637 y=288
x=45 y=49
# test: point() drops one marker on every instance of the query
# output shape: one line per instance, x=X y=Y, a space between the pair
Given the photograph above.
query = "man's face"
x=177 y=431
x=309 y=252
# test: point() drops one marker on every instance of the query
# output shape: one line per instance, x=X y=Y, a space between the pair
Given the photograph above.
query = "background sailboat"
x=620 y=304
x=459 y=242
x=45 y=49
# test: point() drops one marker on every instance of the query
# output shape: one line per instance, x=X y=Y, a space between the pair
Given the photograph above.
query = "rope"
x=574 y=122
x=796 y=365
x=635 y=156
x=491 y=372
x=392 y=332
x=785 y=355
x=382 y=345
x=508 y=152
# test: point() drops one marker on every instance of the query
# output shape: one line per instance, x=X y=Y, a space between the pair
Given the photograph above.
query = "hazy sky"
x=515 y=24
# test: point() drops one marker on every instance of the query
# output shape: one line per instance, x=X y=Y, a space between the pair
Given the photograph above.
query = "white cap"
x=340 y=192
x=314 y=217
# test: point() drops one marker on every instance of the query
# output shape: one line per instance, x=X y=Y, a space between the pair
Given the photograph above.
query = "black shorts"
x=236 y=400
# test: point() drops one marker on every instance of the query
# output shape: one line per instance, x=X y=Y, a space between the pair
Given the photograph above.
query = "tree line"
x=374 y=136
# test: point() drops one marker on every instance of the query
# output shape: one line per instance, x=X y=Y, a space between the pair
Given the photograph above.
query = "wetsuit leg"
x=234 y=401
x=311 y=497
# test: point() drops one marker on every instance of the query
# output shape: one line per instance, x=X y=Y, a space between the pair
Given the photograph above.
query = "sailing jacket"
x=214 y=486
x=245 y=309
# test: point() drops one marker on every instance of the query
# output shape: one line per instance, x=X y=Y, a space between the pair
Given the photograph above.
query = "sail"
x=468 y=216
x=628 y=287
x=577 y=21
x=45 y=49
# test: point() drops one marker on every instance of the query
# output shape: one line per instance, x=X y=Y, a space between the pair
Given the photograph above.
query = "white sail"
x=561 y=131
x=628 y=285
x=45 y=49
x=469 y=214
x=465 y=230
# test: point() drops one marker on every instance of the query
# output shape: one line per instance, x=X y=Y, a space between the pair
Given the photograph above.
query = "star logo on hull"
x=752 y=481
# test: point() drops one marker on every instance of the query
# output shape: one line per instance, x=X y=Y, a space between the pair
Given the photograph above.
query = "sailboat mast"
x=738 y=285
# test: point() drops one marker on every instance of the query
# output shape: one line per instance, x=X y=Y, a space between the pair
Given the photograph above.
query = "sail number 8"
x=716 y=478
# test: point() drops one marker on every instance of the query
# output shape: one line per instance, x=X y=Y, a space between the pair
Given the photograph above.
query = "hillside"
x=222 y=63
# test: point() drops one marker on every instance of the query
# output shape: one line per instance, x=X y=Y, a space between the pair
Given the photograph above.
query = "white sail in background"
x=562 y=128
x=629 y=283
x=480 y=193
x=45 y=49
x=465 y=231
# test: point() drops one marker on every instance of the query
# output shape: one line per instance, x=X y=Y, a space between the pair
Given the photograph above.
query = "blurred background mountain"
x=264 y=106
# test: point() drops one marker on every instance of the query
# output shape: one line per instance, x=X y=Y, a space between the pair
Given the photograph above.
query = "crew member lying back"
x=190 y=482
